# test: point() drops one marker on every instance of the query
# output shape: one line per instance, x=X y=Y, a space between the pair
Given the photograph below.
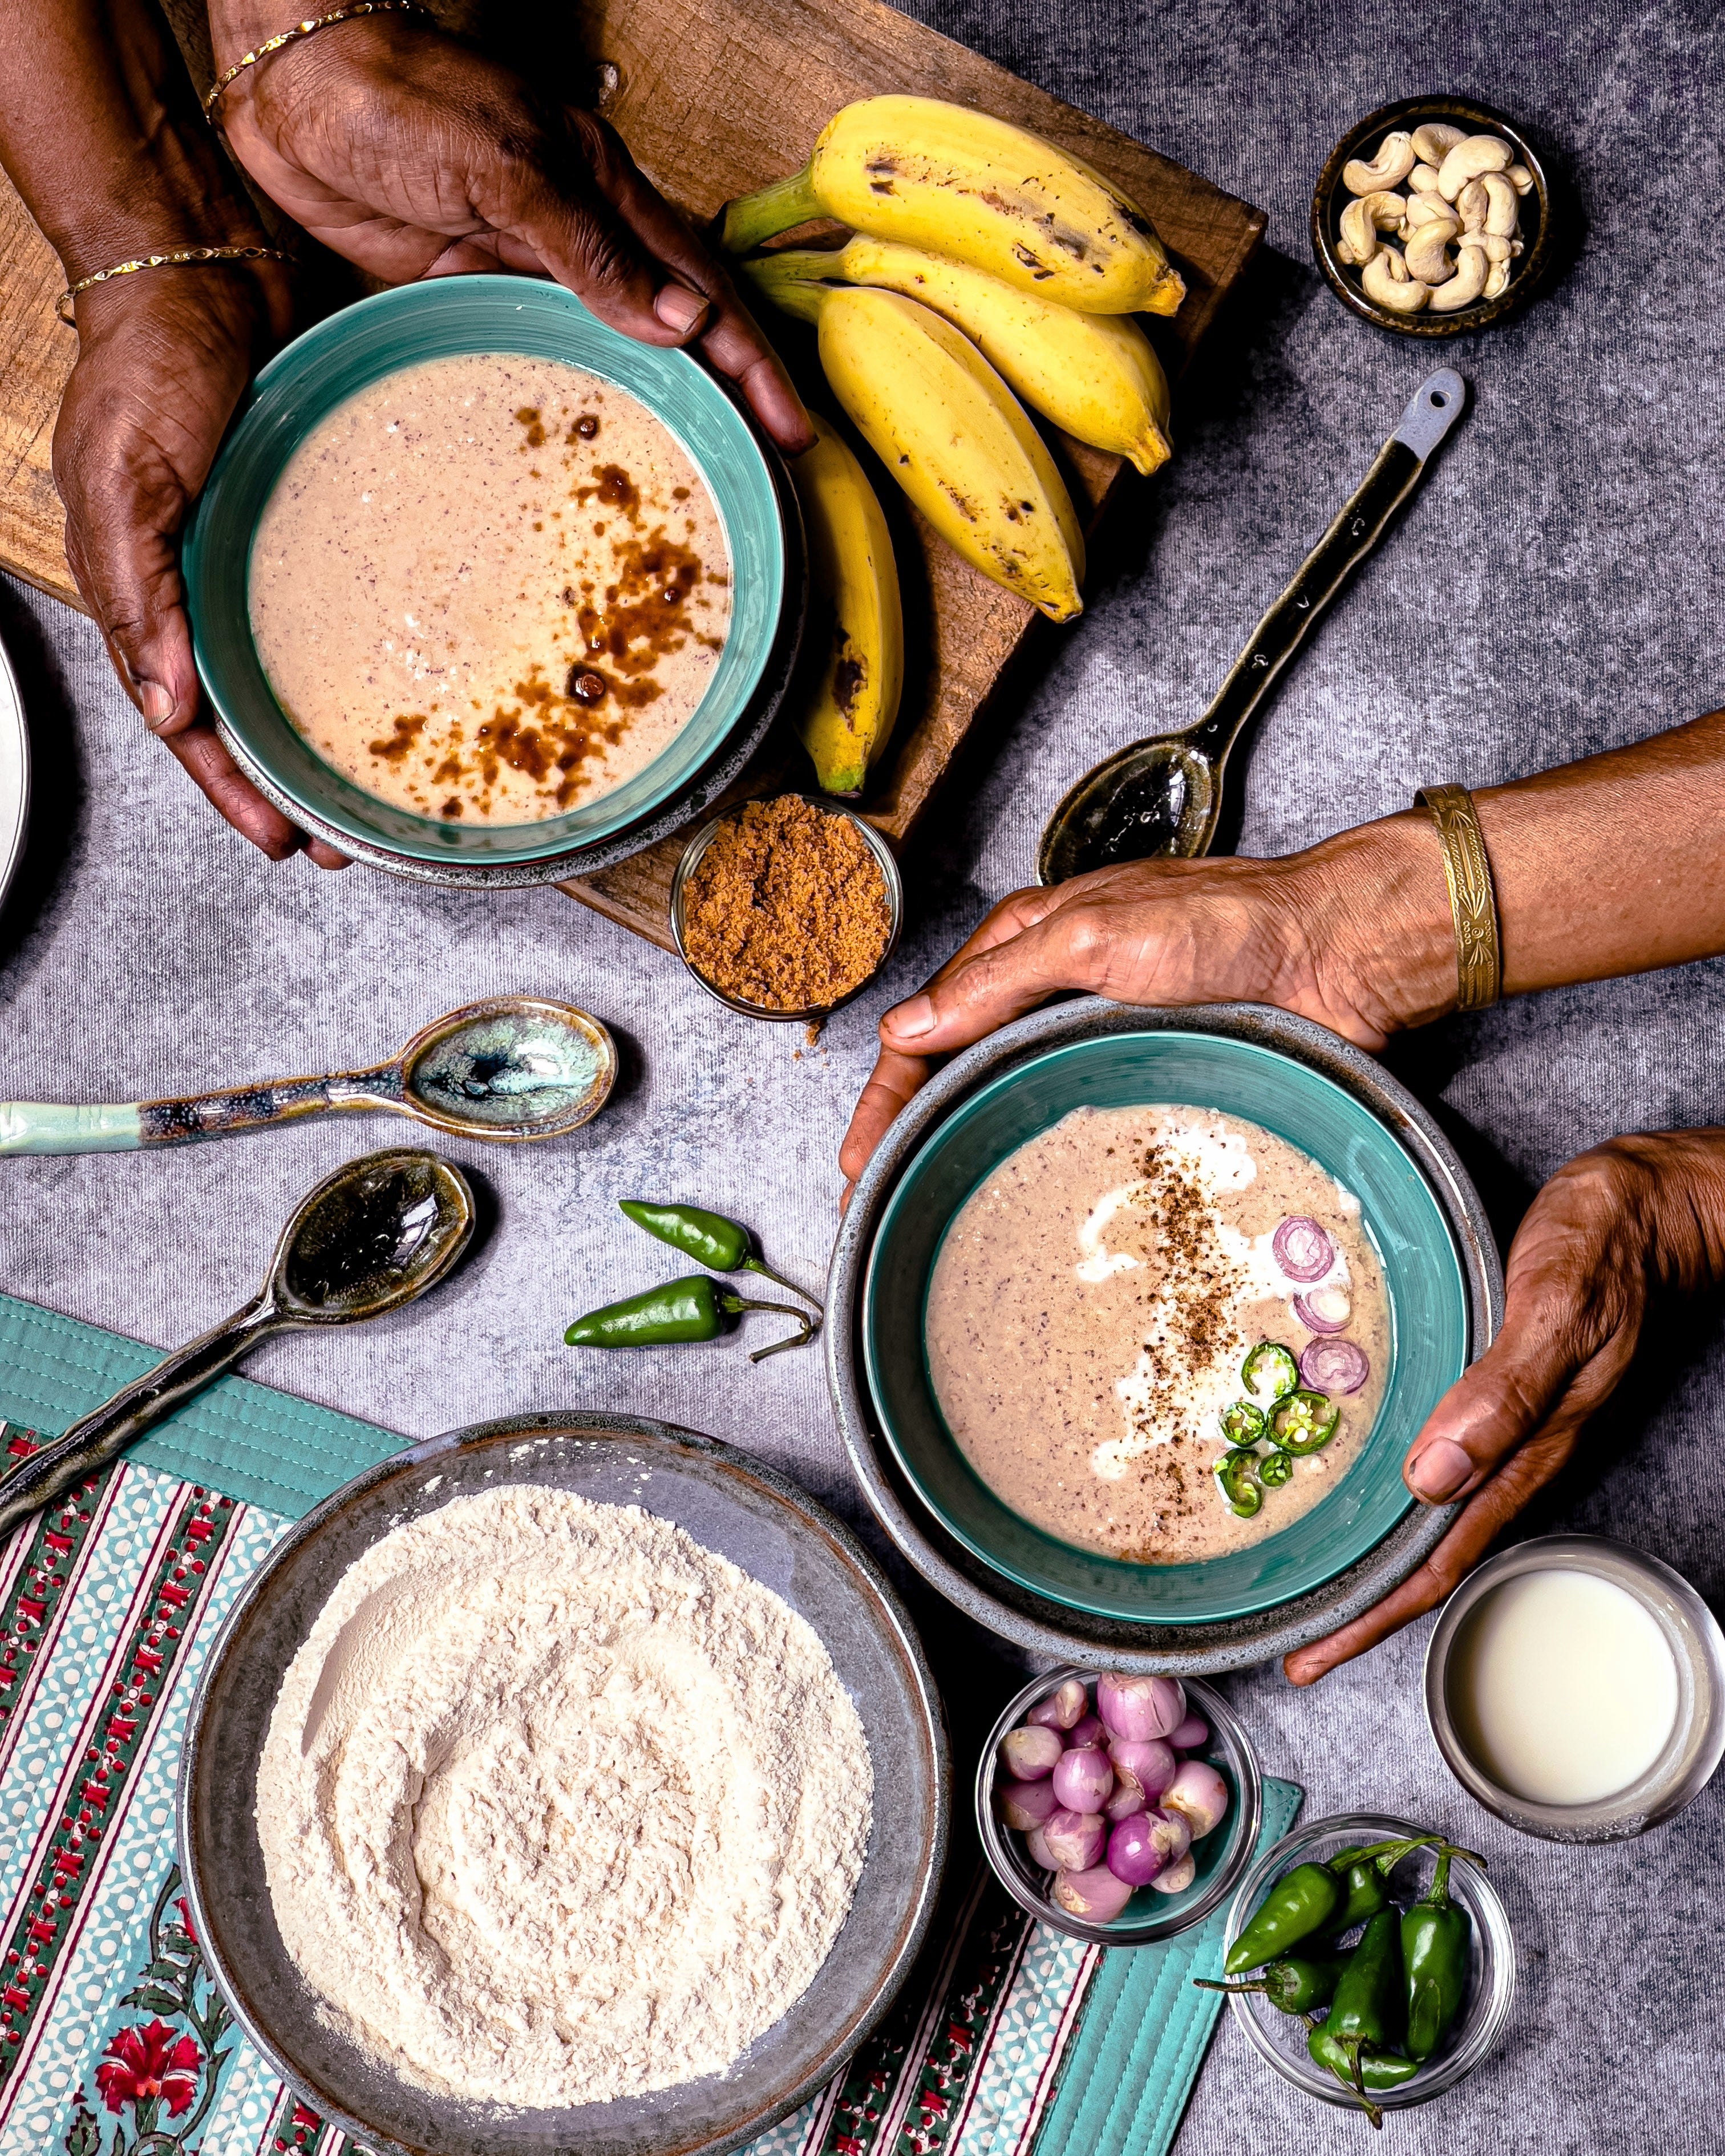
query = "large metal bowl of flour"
x=1012 y=1577
x=727 y=1502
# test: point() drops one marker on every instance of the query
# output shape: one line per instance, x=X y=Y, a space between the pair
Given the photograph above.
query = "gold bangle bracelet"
x=174 y=258
x=1473 y=898
x=298 y=30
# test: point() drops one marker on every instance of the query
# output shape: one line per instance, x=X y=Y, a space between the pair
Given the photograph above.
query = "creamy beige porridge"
x=489 y=588
x=1094 y=1301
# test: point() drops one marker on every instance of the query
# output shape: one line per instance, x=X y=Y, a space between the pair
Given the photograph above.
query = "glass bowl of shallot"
x=1121 y=1809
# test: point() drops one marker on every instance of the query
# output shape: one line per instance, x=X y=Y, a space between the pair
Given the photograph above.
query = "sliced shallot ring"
x=1306 y=1309
x=1333 y=1366
x=1297 y=1246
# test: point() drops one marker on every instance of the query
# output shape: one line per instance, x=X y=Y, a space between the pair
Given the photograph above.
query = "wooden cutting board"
x=715 y=97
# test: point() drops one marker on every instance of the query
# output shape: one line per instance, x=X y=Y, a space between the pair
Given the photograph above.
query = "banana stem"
x=775 y=207
x=795 y=281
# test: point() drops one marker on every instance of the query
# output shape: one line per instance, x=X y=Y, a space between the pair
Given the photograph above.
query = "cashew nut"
x=1434 y=141
x=1364 y=218
x=1504 y=213
x=1468 y=283
x=1426 y=253
x=1521 y=179
x=1496 y=280
x=1385 y=280
x=1493 y=245
x=1391 y=166
x=1471 y=157
x=1422 y=209
x=1470 y=206
x=1423 y=179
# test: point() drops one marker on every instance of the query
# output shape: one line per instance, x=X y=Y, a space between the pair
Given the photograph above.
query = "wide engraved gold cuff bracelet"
x=1473 y=900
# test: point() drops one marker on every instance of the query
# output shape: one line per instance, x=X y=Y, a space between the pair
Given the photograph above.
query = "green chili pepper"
x=693 y=1309
x=1242 y=1424
x=1270 y=1370
x=1360 y=2066
x=1306 y=1900
x=1435 y=1934
x=708 y=1238
x=1300 y=1903
x=1236 y=1478
x=1299 y=1424
x=1275 y=1469
x=1364 y=1893
x=1291 y=1986
x=1369 y=2009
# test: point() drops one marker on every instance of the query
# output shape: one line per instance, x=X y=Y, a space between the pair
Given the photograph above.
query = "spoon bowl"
x=1161 y=796
x=514 y=1068
x=371 y=1237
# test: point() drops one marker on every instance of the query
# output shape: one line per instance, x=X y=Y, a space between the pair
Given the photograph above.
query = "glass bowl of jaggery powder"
x=786 y=908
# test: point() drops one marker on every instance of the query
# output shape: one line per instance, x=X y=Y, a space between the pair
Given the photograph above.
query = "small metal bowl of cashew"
x=1431 y=216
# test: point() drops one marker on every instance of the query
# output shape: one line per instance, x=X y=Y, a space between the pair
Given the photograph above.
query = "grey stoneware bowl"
x=728 y=1501
x=965 y=1570
x=1330 y=197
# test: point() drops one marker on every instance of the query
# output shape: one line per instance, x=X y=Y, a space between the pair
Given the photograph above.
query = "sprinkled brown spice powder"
x=787 y=908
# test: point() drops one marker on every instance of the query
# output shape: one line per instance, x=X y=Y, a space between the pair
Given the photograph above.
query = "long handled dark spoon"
x=1163 y=794
x=369 y=1239
x=513 y=1068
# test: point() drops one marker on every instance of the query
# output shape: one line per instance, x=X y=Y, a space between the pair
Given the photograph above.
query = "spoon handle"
x=1396 y=470
x=48 y=1127
x=63 y=1462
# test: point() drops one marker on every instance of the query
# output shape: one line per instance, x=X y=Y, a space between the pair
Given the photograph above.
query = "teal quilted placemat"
x=1145 y=2031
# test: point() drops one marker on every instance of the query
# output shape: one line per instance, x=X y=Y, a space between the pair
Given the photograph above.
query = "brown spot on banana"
x=850 y=674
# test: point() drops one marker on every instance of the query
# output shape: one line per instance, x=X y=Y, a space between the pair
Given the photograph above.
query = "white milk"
x=1563 y=1688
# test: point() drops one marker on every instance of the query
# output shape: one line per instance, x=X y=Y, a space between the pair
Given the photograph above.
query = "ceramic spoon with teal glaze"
x=370 y=1238
x=512 y=1069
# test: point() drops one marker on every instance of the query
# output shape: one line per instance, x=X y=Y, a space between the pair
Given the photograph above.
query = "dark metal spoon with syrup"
x=370 y=1238
x=1164 y=795
x=511 y=1068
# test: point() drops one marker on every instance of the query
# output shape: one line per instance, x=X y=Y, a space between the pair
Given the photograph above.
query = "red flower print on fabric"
x=148 y=2061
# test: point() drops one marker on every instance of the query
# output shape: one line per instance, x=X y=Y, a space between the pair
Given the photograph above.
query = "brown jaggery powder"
x=787 y=908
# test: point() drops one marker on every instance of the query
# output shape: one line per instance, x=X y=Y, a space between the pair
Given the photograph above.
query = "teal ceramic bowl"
x=441 y=319
x=1428 y=1296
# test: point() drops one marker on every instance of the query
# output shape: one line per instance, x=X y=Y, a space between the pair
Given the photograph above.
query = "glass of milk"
x=1576 y=1687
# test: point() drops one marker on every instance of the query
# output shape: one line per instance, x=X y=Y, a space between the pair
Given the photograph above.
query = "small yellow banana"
x=1094 y=375
x=953 y=436
x=964 y=184
x=855 y=616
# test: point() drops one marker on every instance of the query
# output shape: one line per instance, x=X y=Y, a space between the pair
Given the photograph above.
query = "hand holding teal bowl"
x=440 y=319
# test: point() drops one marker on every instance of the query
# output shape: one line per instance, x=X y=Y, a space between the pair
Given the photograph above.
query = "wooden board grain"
x=715 y=97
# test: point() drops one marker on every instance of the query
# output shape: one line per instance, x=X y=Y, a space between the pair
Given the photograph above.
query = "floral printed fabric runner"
x=113 y=2039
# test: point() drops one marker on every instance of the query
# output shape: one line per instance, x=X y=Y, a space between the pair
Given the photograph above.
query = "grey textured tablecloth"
x=1557 y=589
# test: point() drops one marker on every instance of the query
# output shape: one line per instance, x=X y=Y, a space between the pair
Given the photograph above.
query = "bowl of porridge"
x=482 y=591
x=1144 y=1311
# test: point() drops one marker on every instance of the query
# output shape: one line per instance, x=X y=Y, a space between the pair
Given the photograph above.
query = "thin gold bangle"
x=292 y=36
x=174 y=258
x=1473 y=897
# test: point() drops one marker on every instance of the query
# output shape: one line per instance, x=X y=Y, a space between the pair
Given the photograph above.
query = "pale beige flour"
x=557 y=1806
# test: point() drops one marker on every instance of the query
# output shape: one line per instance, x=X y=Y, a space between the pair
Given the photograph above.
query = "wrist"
x=1375 y=908
x=174 y=195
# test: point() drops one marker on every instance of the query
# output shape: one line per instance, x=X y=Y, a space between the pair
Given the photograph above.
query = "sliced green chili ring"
x=1237 y=1479
x=1242 y=1424
x=1270 y=1371
x=1275 y=1470
x=1302 y=1422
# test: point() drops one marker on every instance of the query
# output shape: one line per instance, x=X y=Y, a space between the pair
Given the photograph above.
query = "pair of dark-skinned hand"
x=412 y=155
x=1344 y=935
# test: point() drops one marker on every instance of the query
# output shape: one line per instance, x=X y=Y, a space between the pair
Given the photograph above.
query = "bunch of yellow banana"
x=1095 y=376
x=953 y=436
x=855 y=619
x=961 y=183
